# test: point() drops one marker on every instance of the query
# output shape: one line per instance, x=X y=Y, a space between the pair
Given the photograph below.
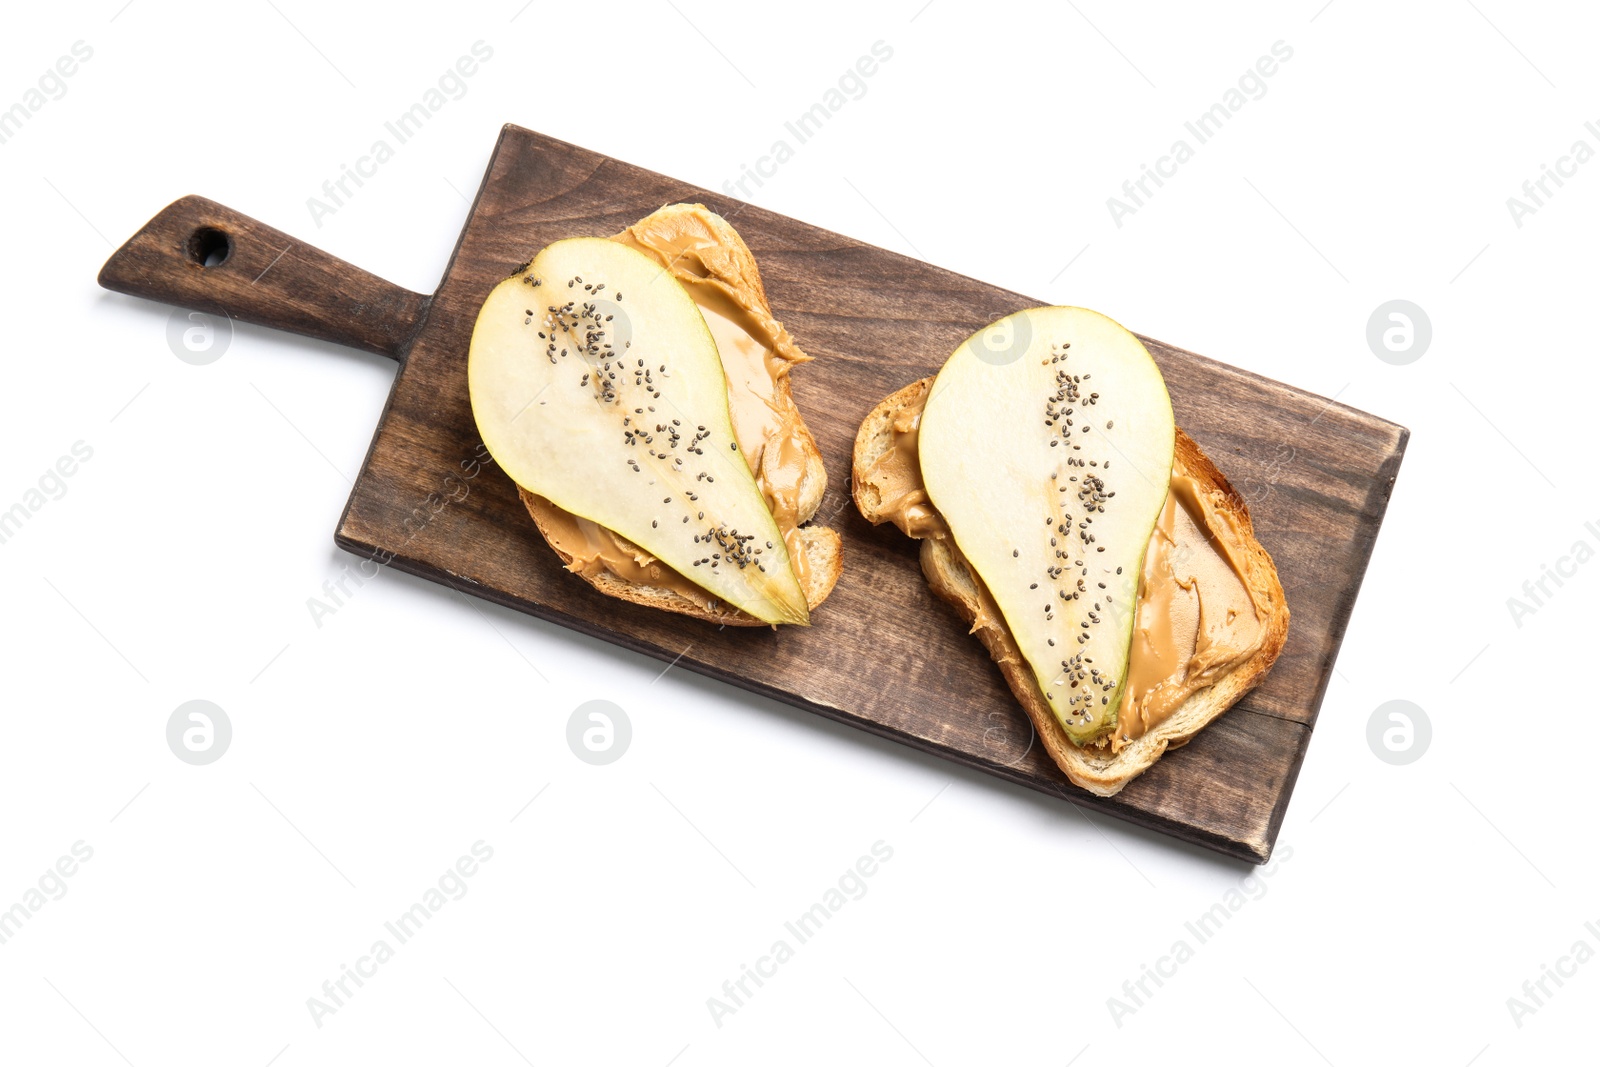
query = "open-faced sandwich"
x=1102 y=559
x=636 y=389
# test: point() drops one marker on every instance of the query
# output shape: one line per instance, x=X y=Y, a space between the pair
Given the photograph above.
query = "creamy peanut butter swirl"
x=756 y=354
x=1196 y=616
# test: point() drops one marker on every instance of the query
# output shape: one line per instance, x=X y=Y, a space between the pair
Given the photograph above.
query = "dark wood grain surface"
x=882 y=653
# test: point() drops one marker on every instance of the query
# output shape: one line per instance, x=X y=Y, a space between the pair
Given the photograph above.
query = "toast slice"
x=701 y=249
x=1095 y=768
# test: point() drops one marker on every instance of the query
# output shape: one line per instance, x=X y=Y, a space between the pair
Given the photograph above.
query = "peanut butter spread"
x=1196 y=615
x=756 y=355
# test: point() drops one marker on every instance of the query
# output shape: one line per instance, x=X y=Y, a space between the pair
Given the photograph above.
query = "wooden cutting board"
x=883 y=654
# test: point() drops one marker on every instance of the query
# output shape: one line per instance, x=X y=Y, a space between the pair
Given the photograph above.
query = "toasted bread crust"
x=953 y=580
x=736 y=268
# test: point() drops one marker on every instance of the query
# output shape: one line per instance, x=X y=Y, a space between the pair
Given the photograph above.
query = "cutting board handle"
x=201 y=255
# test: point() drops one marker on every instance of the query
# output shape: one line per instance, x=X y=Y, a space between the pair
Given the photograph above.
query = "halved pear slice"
x=1046 y=444
x=596 y=384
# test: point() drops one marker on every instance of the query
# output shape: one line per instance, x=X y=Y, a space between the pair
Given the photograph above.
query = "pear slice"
x=596 y=384
x=1047 y=444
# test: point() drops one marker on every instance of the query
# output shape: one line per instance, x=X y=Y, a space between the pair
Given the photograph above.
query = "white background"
x=1408 y=902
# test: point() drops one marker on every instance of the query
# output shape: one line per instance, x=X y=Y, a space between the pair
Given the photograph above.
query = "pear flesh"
x=1047 y=445
x=596 y=384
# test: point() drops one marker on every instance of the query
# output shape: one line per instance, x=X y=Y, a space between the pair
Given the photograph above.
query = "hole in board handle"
x=210 y=247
